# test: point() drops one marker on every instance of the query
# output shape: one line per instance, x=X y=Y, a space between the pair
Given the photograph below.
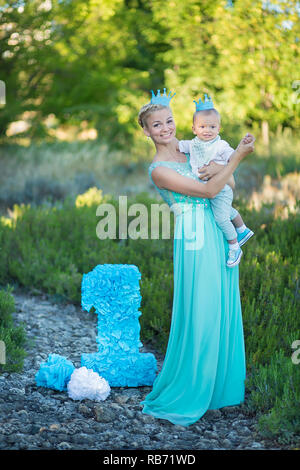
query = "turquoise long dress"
x=204 y=366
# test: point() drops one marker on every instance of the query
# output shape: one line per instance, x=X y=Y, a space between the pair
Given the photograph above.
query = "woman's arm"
x=166 y=178
x=208 y=171
x=231 y=182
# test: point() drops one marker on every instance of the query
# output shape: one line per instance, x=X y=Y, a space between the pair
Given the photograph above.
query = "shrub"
x=275 y=395
x=51 y=247
x=13 y=337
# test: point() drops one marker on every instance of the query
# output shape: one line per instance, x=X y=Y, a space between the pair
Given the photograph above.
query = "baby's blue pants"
x=223 y=211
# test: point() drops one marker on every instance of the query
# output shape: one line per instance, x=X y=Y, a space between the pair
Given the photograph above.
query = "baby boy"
x=207 y=146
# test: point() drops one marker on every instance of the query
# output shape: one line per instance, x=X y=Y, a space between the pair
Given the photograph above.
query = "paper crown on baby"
x=206 y=104
x=164 y=99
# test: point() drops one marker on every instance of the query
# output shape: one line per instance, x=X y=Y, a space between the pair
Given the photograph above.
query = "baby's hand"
x=246 y=145
x=247 y=139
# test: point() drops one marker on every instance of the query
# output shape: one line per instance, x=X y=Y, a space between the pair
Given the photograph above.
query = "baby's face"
x=206 y=126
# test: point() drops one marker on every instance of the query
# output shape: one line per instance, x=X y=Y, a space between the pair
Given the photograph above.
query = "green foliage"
x=87 y=60
x=269 y=284
x=51 y=247
x=13 y=336
x=275 y=395
x=50 y=172
x=96 y=60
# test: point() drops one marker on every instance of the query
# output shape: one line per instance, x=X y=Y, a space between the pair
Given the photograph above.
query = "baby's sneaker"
x=234 y=257
x=244 y=236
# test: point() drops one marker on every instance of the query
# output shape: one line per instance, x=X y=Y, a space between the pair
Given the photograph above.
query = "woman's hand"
x=207 y=171
x=246 y=145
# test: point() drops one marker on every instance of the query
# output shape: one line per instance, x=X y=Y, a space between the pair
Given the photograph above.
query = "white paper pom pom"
x=85 y=383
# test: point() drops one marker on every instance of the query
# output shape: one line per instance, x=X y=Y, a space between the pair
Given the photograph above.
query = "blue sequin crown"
x=206 y=104
x=164 y=99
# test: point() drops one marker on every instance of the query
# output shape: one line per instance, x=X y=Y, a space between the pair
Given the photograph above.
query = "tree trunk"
x=265 y=133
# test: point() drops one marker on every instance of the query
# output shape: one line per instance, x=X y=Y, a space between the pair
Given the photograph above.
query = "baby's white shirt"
x=221 y=152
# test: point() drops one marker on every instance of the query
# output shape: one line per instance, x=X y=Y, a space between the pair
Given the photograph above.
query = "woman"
x=204 y=365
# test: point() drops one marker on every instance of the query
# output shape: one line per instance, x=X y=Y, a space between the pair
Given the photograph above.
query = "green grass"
x=49 y=248
x=53 y=171
x=13 y=337
x=49 y=242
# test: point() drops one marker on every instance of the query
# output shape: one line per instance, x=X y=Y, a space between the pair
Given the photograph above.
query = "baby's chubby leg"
x=223 y=213
x=236 y=218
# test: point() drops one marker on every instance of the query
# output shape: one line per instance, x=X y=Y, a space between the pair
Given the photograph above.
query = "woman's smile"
x=167 y=135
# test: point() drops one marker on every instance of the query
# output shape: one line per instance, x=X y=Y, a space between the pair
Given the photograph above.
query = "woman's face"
x=160 y=126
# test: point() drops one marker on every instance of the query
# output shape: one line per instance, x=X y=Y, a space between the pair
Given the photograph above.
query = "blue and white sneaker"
x=244 y=236
x=234 y=257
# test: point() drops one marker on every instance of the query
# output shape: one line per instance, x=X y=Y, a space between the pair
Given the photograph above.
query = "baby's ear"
x=193 y=129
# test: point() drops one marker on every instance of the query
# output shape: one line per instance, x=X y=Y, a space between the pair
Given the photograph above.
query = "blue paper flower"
x=55 y=373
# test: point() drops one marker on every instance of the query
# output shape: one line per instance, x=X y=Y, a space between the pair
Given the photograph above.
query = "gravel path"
x=38 y=418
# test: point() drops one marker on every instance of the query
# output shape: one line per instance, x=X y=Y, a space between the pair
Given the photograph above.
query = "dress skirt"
x=204 y=366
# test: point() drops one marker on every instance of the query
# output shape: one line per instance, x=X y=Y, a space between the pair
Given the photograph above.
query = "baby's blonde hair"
x=207 y=112
x=145 y=112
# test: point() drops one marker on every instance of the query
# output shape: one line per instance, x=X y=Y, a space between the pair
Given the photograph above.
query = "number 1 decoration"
x=113 y=290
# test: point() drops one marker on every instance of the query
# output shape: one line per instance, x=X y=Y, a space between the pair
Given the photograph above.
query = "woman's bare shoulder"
x=162 y=175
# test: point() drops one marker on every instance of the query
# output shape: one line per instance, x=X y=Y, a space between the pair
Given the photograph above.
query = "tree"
x=97 y=60
x=79 y=60
x=244 y=56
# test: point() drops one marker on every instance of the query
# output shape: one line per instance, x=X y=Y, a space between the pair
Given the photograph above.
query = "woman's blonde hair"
x=145 y=112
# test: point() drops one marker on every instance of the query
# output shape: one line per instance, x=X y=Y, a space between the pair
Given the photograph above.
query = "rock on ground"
x=39 y=418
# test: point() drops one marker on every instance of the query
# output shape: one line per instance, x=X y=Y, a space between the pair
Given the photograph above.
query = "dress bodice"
x=172 y=198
